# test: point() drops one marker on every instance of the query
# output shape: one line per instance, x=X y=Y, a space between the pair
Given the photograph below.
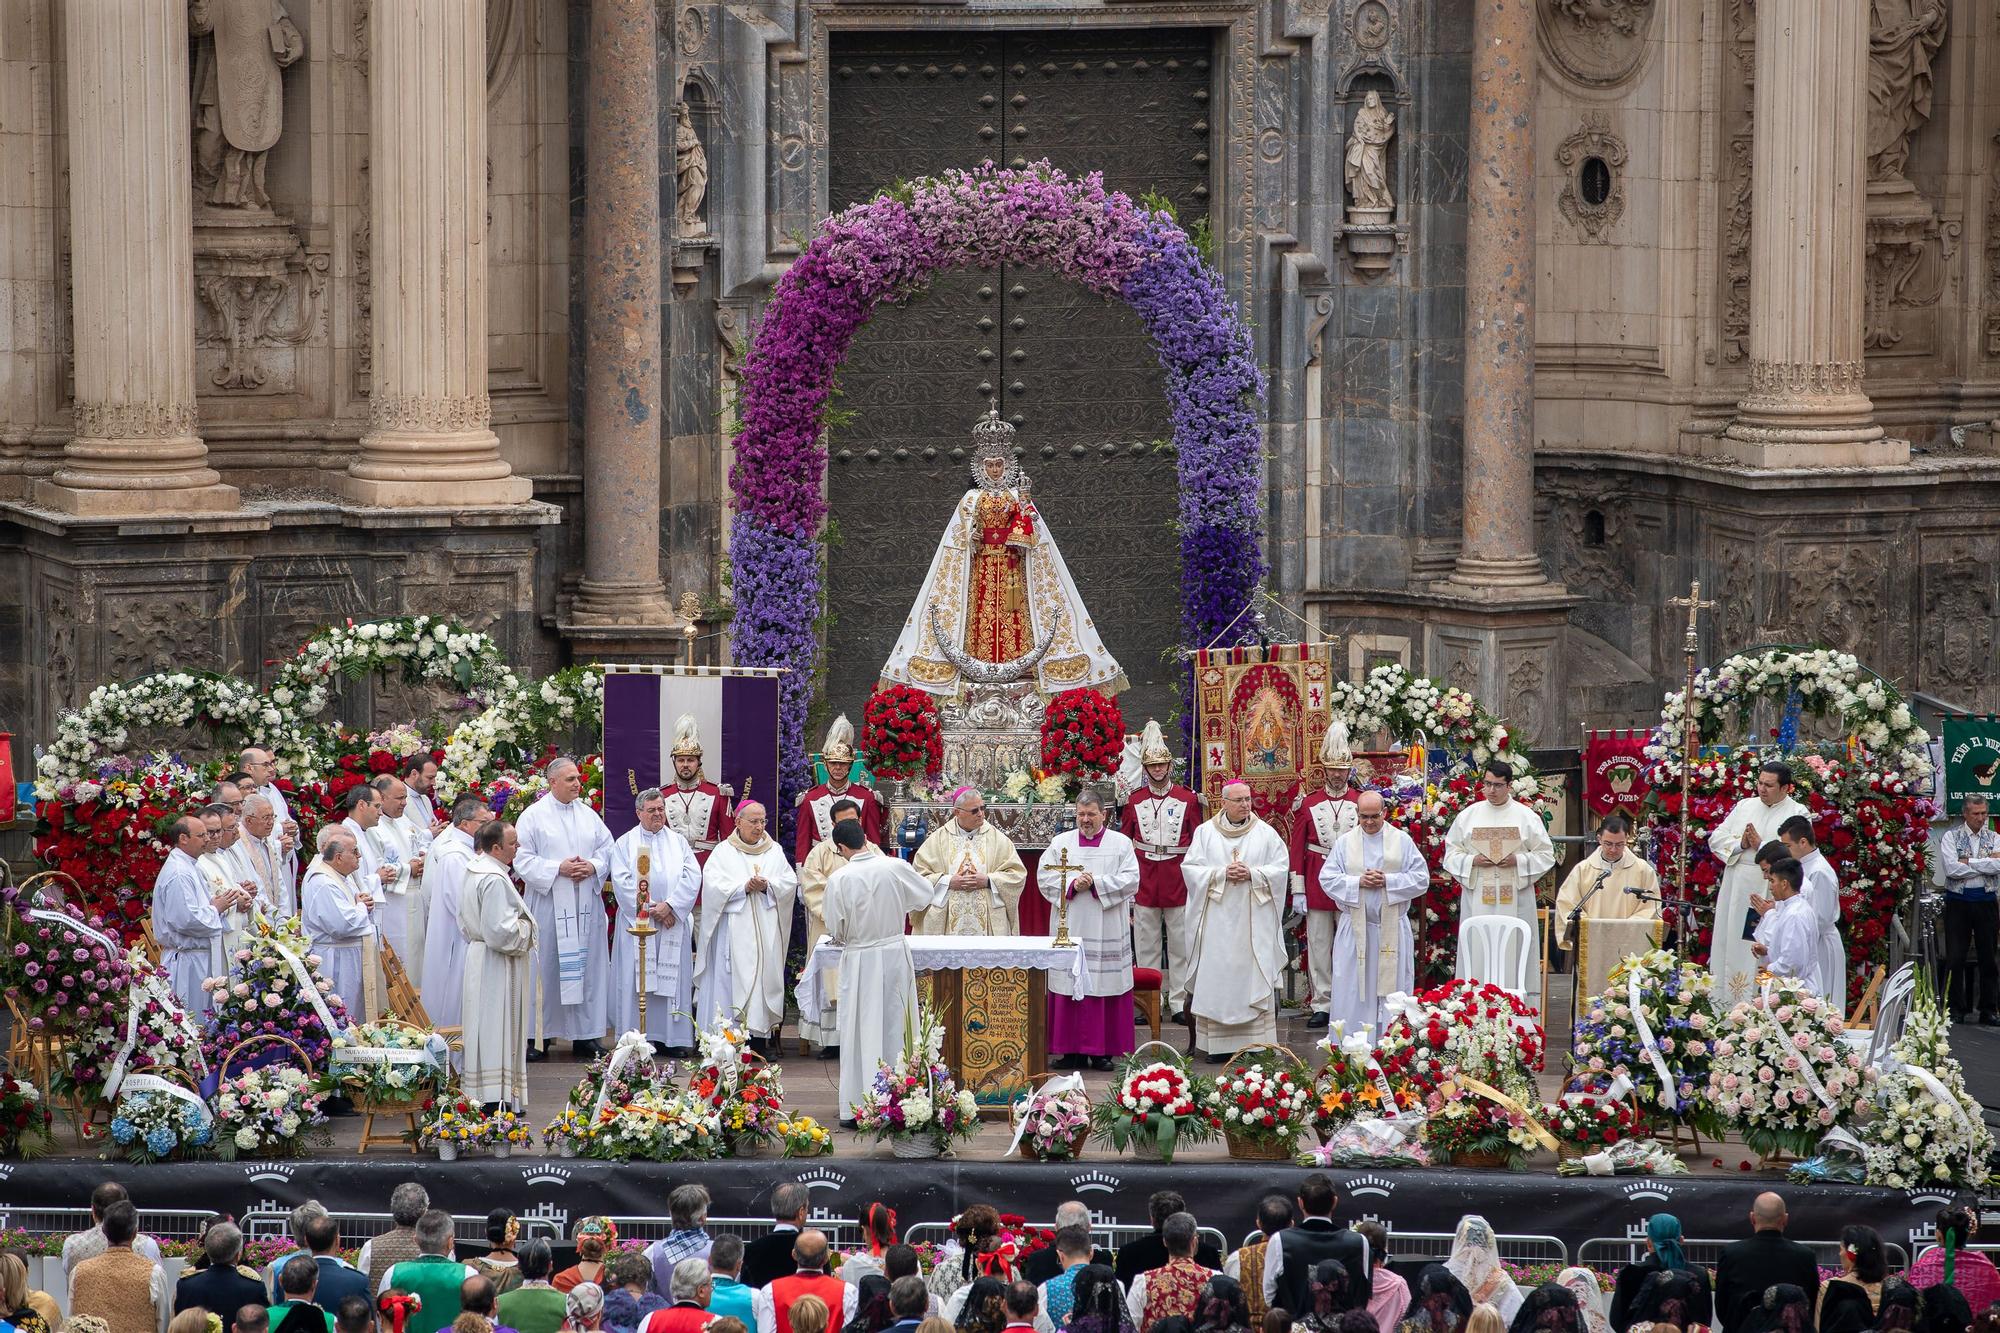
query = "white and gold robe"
x=1502 y=890
x=819 y=865
x=994 y=910
x=739 y=965
x=222 y=869
x=673 y=877
x=1374 y=952
x=497 y=992
x=1729 y=956
x=573 y=959
x=1235 y=945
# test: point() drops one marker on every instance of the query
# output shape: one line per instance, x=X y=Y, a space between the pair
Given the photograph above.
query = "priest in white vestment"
x=222 y=870
x=868 y=900
x=669 y=881
x=261 y=849
x=1238 y=873
x=338 y=917
x=747 y=889
x=978 y=870
x=188 y=917
x=1504 y=885
x=1374 y=871
x=376 y=874
x=819 y=865
x=1753 y=822
x=423 y=812
x=1787 y=943
x=405 y=913
x=1822 y=892
x=565 y=861
x=444 y=944
x=497 y=993
x=262 y=766
x=1092 y=1022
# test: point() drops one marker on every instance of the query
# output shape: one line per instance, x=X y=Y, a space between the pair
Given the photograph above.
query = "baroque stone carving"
x=1958 y=619
x=1598 y=43
x=1367 y=165
x=1593 y=162
x=1992 y=298
x=134 y=421
x=241 y=48
x=1907 y=249
x=157 y=632
x=1736 y=253
x=243 y=287
x=1903 y=38
x=1525 y=693
x=1835 y=594
x=429 y=416
x=1372 y=25
x=690 y=175
x=1796 y=379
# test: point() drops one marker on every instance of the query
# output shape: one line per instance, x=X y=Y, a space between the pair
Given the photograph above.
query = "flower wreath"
x=420 y=647
x=170 y=699
x=1390 y=698
x=522 y=718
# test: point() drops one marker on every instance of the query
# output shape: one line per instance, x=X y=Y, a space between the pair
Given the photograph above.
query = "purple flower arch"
x=890 y=246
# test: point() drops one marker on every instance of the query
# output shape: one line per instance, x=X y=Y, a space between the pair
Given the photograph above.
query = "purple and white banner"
x=736 y=709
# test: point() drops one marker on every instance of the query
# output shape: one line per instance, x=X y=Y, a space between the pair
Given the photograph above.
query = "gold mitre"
x=687 y=737
x=1334 y=751
x=1153 y=746
x=839 y=747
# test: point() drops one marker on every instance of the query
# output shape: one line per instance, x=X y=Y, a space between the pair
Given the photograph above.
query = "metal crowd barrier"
x=1435 y=1247
x=1608 y=1254
x=160 y=1223
x=841 y=1232
x=1105 y=1234
x=269 y=1224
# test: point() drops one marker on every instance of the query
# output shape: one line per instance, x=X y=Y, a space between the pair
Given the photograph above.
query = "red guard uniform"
x=1161 y=825
x=701 y=814
x=815 y=816
x=1316 y=821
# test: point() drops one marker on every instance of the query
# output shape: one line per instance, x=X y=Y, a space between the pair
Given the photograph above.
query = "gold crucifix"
x=1695 y=606
x=643 y=929
x=1063 y=870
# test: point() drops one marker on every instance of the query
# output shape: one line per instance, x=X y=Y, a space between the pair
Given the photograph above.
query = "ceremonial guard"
x=1160 y=819
x=1317 y=819
x=815 y=812
x=697 y=809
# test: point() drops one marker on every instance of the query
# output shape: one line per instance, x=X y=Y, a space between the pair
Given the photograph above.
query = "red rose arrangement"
x=1588 y=1121
x=1422 y=1051
x=1083 y=734
x=900 y=734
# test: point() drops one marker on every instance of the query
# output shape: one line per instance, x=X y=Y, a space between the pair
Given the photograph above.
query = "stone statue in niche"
x=242 y=47
x=1903 y=37
x=1368 y=156
x=690 y=175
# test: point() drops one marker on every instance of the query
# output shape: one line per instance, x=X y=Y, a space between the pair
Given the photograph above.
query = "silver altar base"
x=990 y=731
x=1028 y=827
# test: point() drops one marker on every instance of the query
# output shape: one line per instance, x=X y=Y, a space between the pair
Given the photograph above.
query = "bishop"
x=1096 y=870
x=1160 y=819
x=976 y=870
x=1374 y=871
x=1237 y=873
x=747 y=889
x=655 y=873
x=1502 y=885
x=565 y=861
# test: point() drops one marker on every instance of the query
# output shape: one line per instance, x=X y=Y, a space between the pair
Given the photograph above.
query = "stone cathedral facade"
x=298 y=322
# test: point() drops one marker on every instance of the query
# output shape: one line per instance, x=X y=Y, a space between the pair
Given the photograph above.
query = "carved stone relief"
x=1736 y=187
x=258 y=292
x=1371 y=26
x=1525 y=690
x=164 y=629
x=1992 y=296
x=1593 y=163
x=1597 y=43
x=1958 y=620
x=1834 y=594
x=1736 y=616
x=1903 y=39
x=1592 y=533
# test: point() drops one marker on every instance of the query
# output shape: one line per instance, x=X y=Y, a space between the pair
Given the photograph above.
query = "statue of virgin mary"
x=998 y=605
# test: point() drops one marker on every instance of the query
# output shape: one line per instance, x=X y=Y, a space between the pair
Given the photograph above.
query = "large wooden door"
x=1075 y=373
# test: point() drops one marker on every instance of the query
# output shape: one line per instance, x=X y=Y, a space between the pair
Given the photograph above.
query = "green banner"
x=1971 y=760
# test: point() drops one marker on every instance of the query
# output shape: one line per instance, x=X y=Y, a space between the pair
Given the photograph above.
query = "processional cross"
x=1063 y=870
x=1690 y=748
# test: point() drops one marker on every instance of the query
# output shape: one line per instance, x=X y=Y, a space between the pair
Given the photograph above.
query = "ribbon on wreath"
x=632 y=1046
x=1055 y=1087
x=1505 y=1103
x=1669 y=1085
x=1806 y=1069
x=116 y=1078
x=1936 y=1088
x=136 y=1083
x=306 y=984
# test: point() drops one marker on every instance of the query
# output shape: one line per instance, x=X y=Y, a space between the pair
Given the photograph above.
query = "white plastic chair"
x=1496 y=949
x=1892 y=1011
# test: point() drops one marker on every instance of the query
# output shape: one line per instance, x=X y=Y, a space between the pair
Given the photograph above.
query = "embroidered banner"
x=1971 y=760
x=1260 y=714
x=1614 y=769
x=736 y=709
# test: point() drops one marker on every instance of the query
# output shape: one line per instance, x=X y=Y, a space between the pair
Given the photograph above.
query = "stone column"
x=622 y=348
x=136 y=449
x=1808 y=215
x=429 y=442
x=1498 y=551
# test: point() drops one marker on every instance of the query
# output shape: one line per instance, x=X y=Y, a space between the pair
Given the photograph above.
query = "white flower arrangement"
x=1926 y=1129
x=420 y=647
x=271 y=1112
x=1390 y=698
x=517 y=722
x=1780 y=1071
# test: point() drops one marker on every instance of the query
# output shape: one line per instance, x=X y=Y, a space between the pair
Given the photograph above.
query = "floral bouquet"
x=900 y=732
x=451 y=1124
x=659 y=1126
x=24 y=1119
x=1473 y=1130
x=1264 y=1104
x=1368 y=1143
x=1926 y=1130
x=569 y=1133
x=1083 y=734
x=1471 y=1027
x=164 y=1036
x=154 y=1126
x=1780 y=1072
x=1030 y=787
x=389 y=1063
x=269 y=1112
x=1350 y=1083
x=1155 y=1108
x=1627 y=1157
x=273 y=983
x=1054 y=1122
x=913 y=1103
x=741 y=1086
x=1585 y=1122
x=507 y=1130
x=1654 y=1025
x=804 y=1136
x=618 y=1076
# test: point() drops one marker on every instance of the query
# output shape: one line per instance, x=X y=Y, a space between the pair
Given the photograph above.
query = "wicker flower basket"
x=305 y=1061
x=1246 y=1147
x=403 y=1106
x=913 y=1148
x=1014 y=1123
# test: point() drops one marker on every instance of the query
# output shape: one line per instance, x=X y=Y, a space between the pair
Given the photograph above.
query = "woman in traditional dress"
x=1850 y=1302
x=1589 y=1292
x=1664 y=1254
x=1475 y=1261
x=1439 y=1303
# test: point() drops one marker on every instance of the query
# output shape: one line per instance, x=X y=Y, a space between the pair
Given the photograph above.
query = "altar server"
x=697 y=809
x=1822 y=891
x=1319 y=818
x=1160 y=819
x=976 y=868
x=1611 y=884
x=262 y=851
x=747 y=889
x=672 y=885
x=1504 y=886
x=405 y=913
x=819 y=864
x=1787 y=943
x=815 y=812
x=444 y=946
x=868 y=899
x=1091 y=1022
x=500 y=934
x=188 y=917
x=1374 y=871
x=565 y=860
x=1754 y=821
x=337 y=915
x=1237 y=873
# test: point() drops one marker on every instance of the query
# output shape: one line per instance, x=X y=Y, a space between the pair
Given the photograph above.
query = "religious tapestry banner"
x=1971 y=759
x=735 y=708
x=1260 y=714
x=1614 y=772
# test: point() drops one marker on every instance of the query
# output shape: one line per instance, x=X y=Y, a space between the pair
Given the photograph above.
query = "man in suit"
x=1290 y=1259
x=770 y=1256
x=222 y=1285
x=1150 y=1252
x=1044 y=1264
x=909 y=1298
x=338 y=1279
x=1764 y=1260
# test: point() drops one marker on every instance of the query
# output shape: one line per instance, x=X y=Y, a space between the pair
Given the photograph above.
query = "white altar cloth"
x=942 y=953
